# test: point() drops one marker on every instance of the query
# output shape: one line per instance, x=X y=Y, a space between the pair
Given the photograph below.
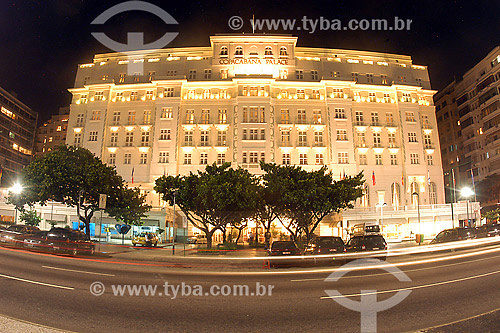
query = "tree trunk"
x=239 y=235
x=209 y=238
x=223 y=234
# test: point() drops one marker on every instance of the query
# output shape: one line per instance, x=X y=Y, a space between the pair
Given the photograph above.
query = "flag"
x=402 y=179
x=428 y=178
x=340 y=175
x=373 y=178
x=454 y=183
x=132 y=175
x=344 y=175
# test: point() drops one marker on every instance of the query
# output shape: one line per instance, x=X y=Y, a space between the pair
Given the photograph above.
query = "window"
x=394 y=159
x=302 y=139
x=204 y=138
x=301 y=94
x=362 y=159
x=188 y=138
x=303 y=159
x=262 y=134
x=432 y=194
x=268 y=51
x=263 y=157
x=254 y=158
x=145 y=138
x=383 y=78
x=369 y=79
x=419 y=82
x=80 y=119
x=127 y=158
x=133 y=95
x=414 y=159
x=114 y=139
x=285 y=116
x=412 y=137
x=166 y=113
x=221 y=159
x=223 y=94
x=343 y=158
x=208 y=74
x=143 y=158
x=314 y=75
x=205 y=116
x=430 y=160
x=163 y=157
x=116 y=117
x=222 y=138
x=99 y=96
x=223 y=74
x=378 y=159
x=315 y=94
x=253 y=134
x=285 y=137
x=410 y=117
x=389 y=117
x=372 y=97
x=355 y=77
x=375 y=121
x=222 y=116
x=376 y=139
x=283 y=74
x=286 y=159
x=402 y=79
x=406 y=97
x=301 y=116
x=238 y=51
x=152 y=75
x=341 y=135
x=149 y=95
x=317 y=117
x=78 y=139
x=359 y=118
x=361 y=139
x=299 y=74
x=189 y=116
x=340 y=114
x=92 y=136
x=112 y=159
x=192 y=74
x=425 y=121
x=318 y=138
x=392 y=140
x=122 y=77
x=129 y=139
x=169 y=92
x=131 y=117
x=147 y=117
x=387 y=98
x=319 y=159
x=283 y=52
x=96 y=115
x=165 y=134
x=223 y=51
x=204 y=158
x=187 y=158
x=427 y=141
x=206 y=94
x=337 y=93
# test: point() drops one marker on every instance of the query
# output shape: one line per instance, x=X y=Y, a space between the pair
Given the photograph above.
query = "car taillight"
x=459 y=238
x=345 y=250
x=363 y=247
x=385 y=247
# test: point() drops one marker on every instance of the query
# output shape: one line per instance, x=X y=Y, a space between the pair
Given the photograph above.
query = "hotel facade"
x=251 y=98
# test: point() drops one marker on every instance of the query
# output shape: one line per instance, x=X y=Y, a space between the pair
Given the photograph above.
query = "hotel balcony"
x=302 y=144
x=318 y=144
x=188 y=144
x=393 y=145
x=205 y=144
x=429 y=146
x=286 y=143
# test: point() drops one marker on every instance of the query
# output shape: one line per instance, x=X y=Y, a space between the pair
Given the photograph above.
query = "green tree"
x=492 y=215
x=213 y=198
x=76 y=177
x=130 y=206
x=30 y=217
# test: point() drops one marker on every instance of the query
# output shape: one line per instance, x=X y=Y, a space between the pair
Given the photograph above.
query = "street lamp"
x=466 y=193
x=418 y=210
x=16 y=189
x=381 y=205
x=174 y=193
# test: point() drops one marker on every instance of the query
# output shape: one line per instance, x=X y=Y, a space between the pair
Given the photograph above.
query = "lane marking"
x=405 y=271
x=36 y=282
x=459 y=321
x=415 y=287
x=76 y=271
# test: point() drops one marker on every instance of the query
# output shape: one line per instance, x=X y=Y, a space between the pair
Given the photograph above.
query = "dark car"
x=14 y=234
x=481 y=231
x=322 y=245
x=367 y=243
x=60 y=240
x=452 y=235
x=283 y=248
x=493 y=229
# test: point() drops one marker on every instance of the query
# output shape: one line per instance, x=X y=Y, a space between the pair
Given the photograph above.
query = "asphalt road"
x=54 y=291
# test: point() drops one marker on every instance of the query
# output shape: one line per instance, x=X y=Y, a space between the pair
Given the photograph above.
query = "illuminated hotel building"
x=248 y=98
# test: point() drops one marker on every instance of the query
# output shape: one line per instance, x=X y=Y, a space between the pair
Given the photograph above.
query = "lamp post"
x=418 y=210
x=381 y=205
x=466 y=193
x=16 y=189
x=173 y=225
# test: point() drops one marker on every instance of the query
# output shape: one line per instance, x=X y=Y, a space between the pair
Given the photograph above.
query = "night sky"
x=42 y=42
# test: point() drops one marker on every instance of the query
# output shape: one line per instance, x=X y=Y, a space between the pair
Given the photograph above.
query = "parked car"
x=145 y=239
x=481 y=231
x=283 y=248
x=493 y=229
x=60 y=240
x=325 y=245
x=201 y=239
x=13 y=235
x=452 y=235
x=367 y=243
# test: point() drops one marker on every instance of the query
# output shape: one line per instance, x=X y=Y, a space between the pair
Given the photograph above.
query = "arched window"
x=238 y=52
x=414 y=189
x=223 y=51
x=206 y=93
x=191 y=94
x=432 y=194
x=252 y=53
x=283 y=52
x=268 y=51
x=365 y=199
x=395 y=194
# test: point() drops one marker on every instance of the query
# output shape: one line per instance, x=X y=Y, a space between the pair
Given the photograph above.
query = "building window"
x=238 y=52
x=80 y=119
x=78 y=139
x=99 y=96
x=114 y=139
x=414 y=159
x=394 y=159
x=376 y=140
x=301 y=116
x=301 y=94
x=375 y=120
x=221 y=159
x=92 y=136
x=116 y=117
x=262 y=134
x=254 y=158
x=359 y=118
x=149 y=95
x=343 y=158
x=362 y=159
x=96 y=115
x=204 y=138
x=392 y=140
x=389 y=117
x=188 y=138
x=208 y=74
x=223 y=51
x=222 y=116
x=285 y=137
x=223 y=74
x=131 y=117
x=302 y=139
x=163 y=157
x=410 y=117
x=268 y=51
x=222 y=138
x=145 y=138
x=355 y=77
x=112 y=159
x=253 y=134
x=143 y=159
x=318 y=138
x=317 y=119
x=430 y=160
x=129 y=139
x=341 y=135
x=315 y=94
x=189 y=116
x=361 y=139
x=303 y=159
x=340 y=114
x=337 y=93
x=166 y=113
x=147 y=117
x=406 y=97
x=396 y=194
x=206 y=94
x=369 y=79
x=152 y=75
x=204 y=158
x=314 y=75
x=192 y=74
x=122 y=77
x=319 y=159
x=412 y=137
x=283 y=74
x=372 y=97
x=383 y=78
x=285 y=158
x=378 y=159
x=127 y=159
x=165 y=134
x=283 y=52
x=169 y=92
x=299 y=74
x=134 y=95
x=187 y=158
x=285 y=116
x=427 y=141
x=432 y=194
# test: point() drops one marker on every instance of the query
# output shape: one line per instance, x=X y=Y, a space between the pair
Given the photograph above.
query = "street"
x=54 y=291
